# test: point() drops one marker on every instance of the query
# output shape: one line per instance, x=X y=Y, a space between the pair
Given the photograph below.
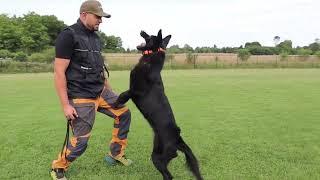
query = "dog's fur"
x=147 y=92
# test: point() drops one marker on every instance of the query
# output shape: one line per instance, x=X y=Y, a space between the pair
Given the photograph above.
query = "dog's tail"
x=192 y=161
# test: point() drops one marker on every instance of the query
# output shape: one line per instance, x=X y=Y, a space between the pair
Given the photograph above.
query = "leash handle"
x=106 y=69
x=66 y=140
x=70 y=125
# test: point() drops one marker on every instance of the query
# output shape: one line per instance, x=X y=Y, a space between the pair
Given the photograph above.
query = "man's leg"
x=122 y=120
x=81 y=127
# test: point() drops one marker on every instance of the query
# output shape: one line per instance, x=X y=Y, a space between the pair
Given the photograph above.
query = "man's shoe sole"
x=112 y=161
x=54 y=177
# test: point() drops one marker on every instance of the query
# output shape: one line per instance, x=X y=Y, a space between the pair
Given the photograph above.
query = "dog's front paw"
x=117 y=105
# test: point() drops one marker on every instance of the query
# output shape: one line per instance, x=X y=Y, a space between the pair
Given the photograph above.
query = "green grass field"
x=241 y=124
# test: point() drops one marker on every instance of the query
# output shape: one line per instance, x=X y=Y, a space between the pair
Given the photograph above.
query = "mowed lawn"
x=241 y=124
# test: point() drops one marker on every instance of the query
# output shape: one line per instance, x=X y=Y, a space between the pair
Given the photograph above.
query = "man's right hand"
x=70 y=112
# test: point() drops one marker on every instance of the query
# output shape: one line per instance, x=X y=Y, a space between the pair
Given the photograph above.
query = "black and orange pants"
x=82 y=126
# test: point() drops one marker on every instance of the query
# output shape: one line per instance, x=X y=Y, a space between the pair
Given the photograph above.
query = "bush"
x=169 y=57
x=37 y=57
x=4 y=54
x=46 y=56
x=20 y=56
x=317 y=54
x=284 y=56
x=24 y=67
x=255 y=50
x=244 y=54
x=191 y=58
x=304 y=53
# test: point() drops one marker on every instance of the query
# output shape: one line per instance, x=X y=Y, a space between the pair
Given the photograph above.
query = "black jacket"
x=85 y=73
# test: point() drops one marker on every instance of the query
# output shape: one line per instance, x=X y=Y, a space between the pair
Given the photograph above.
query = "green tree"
x=244 y=54
x=45 y=56
x=317 y=54
x=187 y=48
x=229 y=50
x=285 y=46
x=314 y=46
x=284 y=56
x=111 y=43
x=276 y=40
x=256 y=50
x=252 y=44
x=20 y=56
x=10 y=33
x=304 y=53
x=174 y=49
x=35 y=37
x=274 y=50
x=54 y=27
x=4 y=54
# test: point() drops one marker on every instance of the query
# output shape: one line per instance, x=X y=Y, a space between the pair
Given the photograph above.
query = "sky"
x=194 y=22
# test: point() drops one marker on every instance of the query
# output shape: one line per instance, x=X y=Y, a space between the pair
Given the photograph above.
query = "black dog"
x=147 y=92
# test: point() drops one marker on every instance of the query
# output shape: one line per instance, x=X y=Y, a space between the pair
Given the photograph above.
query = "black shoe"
x=58 y=174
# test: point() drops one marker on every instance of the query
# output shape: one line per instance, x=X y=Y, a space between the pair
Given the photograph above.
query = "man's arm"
x=107 y=84
x=60 y=67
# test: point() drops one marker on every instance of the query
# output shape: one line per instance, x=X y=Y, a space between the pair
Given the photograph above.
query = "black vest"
x=85 y=73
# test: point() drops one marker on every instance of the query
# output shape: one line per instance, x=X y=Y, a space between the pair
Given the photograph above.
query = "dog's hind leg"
x=192 y=161
x=161 y=166
x=159 y=160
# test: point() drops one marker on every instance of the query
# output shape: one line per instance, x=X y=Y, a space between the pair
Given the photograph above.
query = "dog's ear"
x=165 y=42
x=159 y=37
x=144 y=35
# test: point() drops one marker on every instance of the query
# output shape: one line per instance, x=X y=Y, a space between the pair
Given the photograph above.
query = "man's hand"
x=70 y=112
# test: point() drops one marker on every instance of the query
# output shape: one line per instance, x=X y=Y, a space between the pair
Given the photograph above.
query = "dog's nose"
x=141 y=45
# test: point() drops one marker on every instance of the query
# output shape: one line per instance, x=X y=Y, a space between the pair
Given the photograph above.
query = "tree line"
x=32 y=37
x=255 y=48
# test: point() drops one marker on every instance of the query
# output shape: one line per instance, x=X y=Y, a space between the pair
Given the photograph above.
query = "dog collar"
x=150 y=51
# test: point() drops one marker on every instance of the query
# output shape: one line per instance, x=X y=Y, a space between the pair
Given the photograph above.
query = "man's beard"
x=96 y=28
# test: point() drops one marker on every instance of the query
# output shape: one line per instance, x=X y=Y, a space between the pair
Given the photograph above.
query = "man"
x=83 y=89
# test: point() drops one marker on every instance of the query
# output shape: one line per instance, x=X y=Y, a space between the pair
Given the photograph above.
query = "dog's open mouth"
x=141 y=46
